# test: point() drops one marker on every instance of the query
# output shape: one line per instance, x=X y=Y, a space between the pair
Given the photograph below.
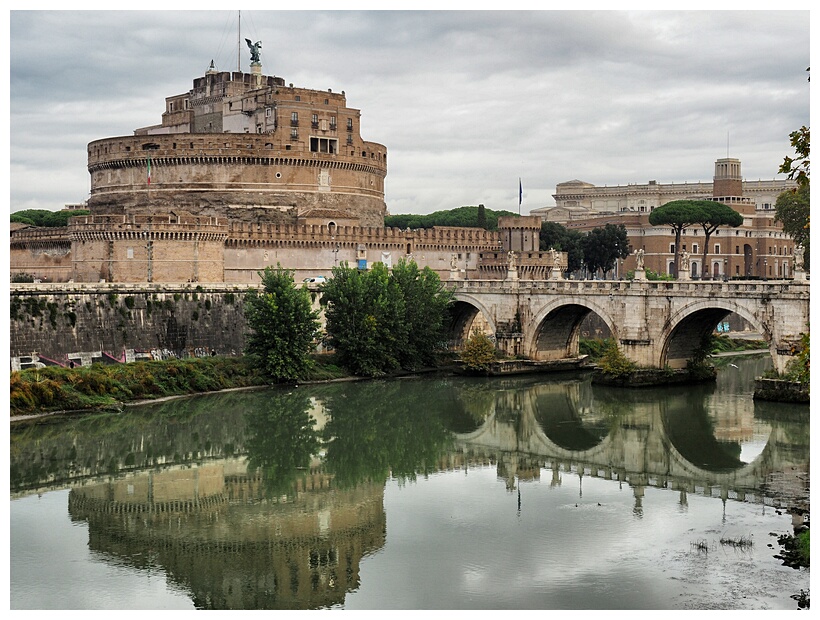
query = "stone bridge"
x=656 y=323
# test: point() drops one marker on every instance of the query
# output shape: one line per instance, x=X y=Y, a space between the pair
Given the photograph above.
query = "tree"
x=282 y=326
x=792 y=209
x=554 y=235
x=713 y=216
x=603 y=246
x=798 y=168
x=359 y=319
x=425 y=311
x=482 y=217
x=380 y=321
x=44 y=217
x=678 y=214
x=462 y=216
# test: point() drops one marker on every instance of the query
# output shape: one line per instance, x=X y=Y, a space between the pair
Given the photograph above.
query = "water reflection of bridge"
x=630 y=437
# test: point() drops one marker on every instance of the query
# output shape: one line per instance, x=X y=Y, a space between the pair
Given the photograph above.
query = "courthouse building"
x=757 y=248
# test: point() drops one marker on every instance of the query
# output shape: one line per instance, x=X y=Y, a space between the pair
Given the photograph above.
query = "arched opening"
x=464 y=318
x=565 y=329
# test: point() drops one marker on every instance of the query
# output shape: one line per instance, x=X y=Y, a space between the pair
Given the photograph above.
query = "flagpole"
x=520 y=196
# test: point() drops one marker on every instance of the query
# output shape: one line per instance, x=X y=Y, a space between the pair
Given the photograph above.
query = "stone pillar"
x=683 y=274
x=799 y=274
x=640 y=274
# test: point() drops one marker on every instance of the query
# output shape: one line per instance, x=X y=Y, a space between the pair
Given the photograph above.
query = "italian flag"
x=149 y=170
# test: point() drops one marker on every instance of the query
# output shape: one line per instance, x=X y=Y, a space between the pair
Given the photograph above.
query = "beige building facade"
x=758 y=248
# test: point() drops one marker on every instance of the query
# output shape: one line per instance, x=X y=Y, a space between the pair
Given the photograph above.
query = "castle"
x=246 y=172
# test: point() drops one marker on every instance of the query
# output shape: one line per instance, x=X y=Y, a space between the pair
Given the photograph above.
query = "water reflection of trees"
x=282 y=438
x=381 y=429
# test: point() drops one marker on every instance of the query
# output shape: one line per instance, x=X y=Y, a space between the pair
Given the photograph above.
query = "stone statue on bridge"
x=798 y=257
x=684 y=260
x=639 y=258
x=511 y=260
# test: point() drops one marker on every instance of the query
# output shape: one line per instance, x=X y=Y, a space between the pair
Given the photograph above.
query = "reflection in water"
x=283 y=438
x=273 y=499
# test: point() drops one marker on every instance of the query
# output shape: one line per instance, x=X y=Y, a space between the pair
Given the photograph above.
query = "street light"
x=725 y=269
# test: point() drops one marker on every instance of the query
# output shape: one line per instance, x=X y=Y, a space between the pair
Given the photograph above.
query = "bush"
x=614 y=363
x=479 y=352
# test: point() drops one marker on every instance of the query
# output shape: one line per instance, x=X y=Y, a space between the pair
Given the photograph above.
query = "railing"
x=632 y=286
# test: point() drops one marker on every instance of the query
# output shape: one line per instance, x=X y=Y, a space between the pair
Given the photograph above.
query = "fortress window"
x=350 y=139
x=314 y=121
x=333 y=123
x=294 y=134
x=324 y=145
x=267 y=112
x=717 y=248
x=298 y=97
x=294 y=119
x=350 y=124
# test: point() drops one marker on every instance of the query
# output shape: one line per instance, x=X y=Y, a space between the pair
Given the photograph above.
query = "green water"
x=536 y=492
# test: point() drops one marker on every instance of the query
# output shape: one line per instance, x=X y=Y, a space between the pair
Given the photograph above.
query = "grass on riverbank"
x=101 y=386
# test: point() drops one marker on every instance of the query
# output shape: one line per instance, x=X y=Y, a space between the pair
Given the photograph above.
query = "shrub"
x=479 y=352
x=614 y=363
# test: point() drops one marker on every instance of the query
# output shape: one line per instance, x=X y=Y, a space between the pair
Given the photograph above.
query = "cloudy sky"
x=465 y=102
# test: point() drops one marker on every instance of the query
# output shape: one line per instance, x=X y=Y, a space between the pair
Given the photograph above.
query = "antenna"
x=238 y=39
x=727 y=145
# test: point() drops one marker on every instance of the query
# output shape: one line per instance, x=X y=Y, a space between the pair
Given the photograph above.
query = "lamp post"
x=765 y=268
x=725 y=269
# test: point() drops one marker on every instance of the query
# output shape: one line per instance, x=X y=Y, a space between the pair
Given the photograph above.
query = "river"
x=445 y=492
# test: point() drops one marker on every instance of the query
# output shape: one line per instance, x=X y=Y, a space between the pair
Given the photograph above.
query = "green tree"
x=798 y=168
x=46 y=218
x=792 y=208
x=554 y=235
x=359 y=319
x=481 y=217
x=282 y=326
x=603 y=246
x=678 y=214
x=380 y=321
x=426 y=304
x=713 y=216
x=462 y=216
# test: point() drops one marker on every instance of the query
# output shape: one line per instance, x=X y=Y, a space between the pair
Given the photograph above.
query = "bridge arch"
x=687 y=327
x=463 y=314
x=555 y=328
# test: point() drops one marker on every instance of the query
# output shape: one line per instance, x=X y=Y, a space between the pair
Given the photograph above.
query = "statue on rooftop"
x=254 y=47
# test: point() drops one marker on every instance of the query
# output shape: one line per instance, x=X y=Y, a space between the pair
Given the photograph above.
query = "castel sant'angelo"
x=244 y=172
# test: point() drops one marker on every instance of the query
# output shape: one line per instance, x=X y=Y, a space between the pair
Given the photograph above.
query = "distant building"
x=757 y=248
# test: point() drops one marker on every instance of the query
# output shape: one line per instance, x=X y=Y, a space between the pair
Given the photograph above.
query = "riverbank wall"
x=778 y=390
x=81 y=323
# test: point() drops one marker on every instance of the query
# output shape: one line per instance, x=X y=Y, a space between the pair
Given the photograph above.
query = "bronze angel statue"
x=254 y=47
